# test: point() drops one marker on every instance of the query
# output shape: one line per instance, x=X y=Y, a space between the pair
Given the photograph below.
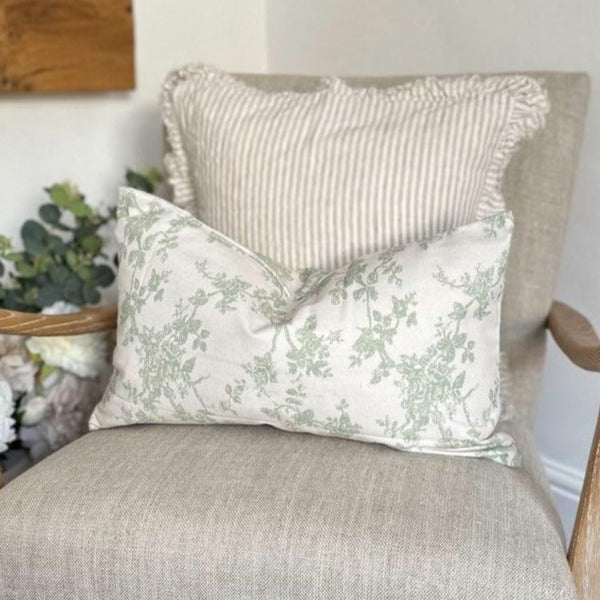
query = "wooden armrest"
x=88 y=320
x=575 y=336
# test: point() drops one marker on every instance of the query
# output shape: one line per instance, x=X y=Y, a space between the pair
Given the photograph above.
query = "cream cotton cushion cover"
x=400 y=347
x=319 y=177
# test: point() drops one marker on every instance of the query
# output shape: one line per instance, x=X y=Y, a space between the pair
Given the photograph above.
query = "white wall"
x=452 y=36
x=91 y=138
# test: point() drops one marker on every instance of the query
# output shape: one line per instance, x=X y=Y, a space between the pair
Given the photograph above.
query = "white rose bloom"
x=7 y=432
x=34 y=439
x=18 y=372
x=7 y=405
x=51 y=380
x=84 y=355
x=7 y=424
x=12 y=344
x=33 y=410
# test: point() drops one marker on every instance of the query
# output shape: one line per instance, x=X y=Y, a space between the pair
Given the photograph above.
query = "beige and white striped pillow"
x=318 y=178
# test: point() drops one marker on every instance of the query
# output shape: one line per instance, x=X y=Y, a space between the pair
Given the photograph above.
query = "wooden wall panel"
x=66 y=45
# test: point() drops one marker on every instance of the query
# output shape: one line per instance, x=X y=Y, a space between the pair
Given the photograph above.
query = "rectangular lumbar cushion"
x=317 y=178
x=400 y=347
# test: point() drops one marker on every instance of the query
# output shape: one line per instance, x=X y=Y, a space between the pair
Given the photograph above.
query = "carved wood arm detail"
x=87 y=320
x=576 y=337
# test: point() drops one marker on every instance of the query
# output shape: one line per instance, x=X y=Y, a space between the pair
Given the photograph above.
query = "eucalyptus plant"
x=62 y=257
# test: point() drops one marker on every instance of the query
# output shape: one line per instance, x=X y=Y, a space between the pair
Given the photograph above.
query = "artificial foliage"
x=62 y=257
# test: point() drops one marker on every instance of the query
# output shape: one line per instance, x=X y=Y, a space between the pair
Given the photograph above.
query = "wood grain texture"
x=66 y=45
x=88 y=320
x=575 y=336
x=584 y=550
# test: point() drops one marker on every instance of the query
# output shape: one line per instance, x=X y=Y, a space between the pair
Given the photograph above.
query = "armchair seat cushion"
x=237 y=512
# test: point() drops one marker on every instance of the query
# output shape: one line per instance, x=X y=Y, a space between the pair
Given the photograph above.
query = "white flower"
x=12 y=344
x=33 y=409
x=35 y=439
x=69 y=405
x=7 y=405
x=7 y=424
x=51 y=380
x=18 y=372
x=60 y=308
x=84 y=355
x=7 y=432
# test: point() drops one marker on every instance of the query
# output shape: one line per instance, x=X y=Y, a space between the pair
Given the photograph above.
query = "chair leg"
x=584 y=550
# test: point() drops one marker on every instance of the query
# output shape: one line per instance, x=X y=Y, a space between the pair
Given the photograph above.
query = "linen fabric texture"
x=400 y=347
x=178 y=512
x=319 y=177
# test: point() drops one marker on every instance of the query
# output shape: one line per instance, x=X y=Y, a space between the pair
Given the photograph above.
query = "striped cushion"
x=315 y=179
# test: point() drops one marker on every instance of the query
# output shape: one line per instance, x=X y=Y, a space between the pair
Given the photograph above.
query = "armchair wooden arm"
x=576 y=337
x=88 y=320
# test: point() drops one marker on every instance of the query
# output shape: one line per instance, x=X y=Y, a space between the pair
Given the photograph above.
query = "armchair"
x=251 y=512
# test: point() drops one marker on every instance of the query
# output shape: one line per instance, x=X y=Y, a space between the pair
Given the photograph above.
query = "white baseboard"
x=564 y=479
x=566 y=483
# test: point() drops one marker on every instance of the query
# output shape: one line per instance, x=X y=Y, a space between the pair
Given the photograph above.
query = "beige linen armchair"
x=251 y=512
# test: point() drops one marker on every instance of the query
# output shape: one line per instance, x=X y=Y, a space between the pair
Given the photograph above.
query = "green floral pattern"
x=399 y=347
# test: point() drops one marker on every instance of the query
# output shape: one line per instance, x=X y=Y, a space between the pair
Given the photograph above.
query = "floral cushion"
x=400 y=347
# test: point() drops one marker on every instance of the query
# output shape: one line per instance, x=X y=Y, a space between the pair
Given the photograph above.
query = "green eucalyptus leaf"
x=43 y=262
x=58 y=194
x=59 y=274
x=49 y=213
x=81 y=210
x=154 y=175
x=92 y=243
x=5 y=244
x=90 y=294
x=41 y=279
x=64 y=195
x=74 y=296
x=85 y=273
x=72 y=258
x=11 y=301
x=49 y=294
x=35 y=237
x=72 y=291
x=139 y=181
x=56 y=245
x=103 y=275
x=31 y=296
x=25 y=269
